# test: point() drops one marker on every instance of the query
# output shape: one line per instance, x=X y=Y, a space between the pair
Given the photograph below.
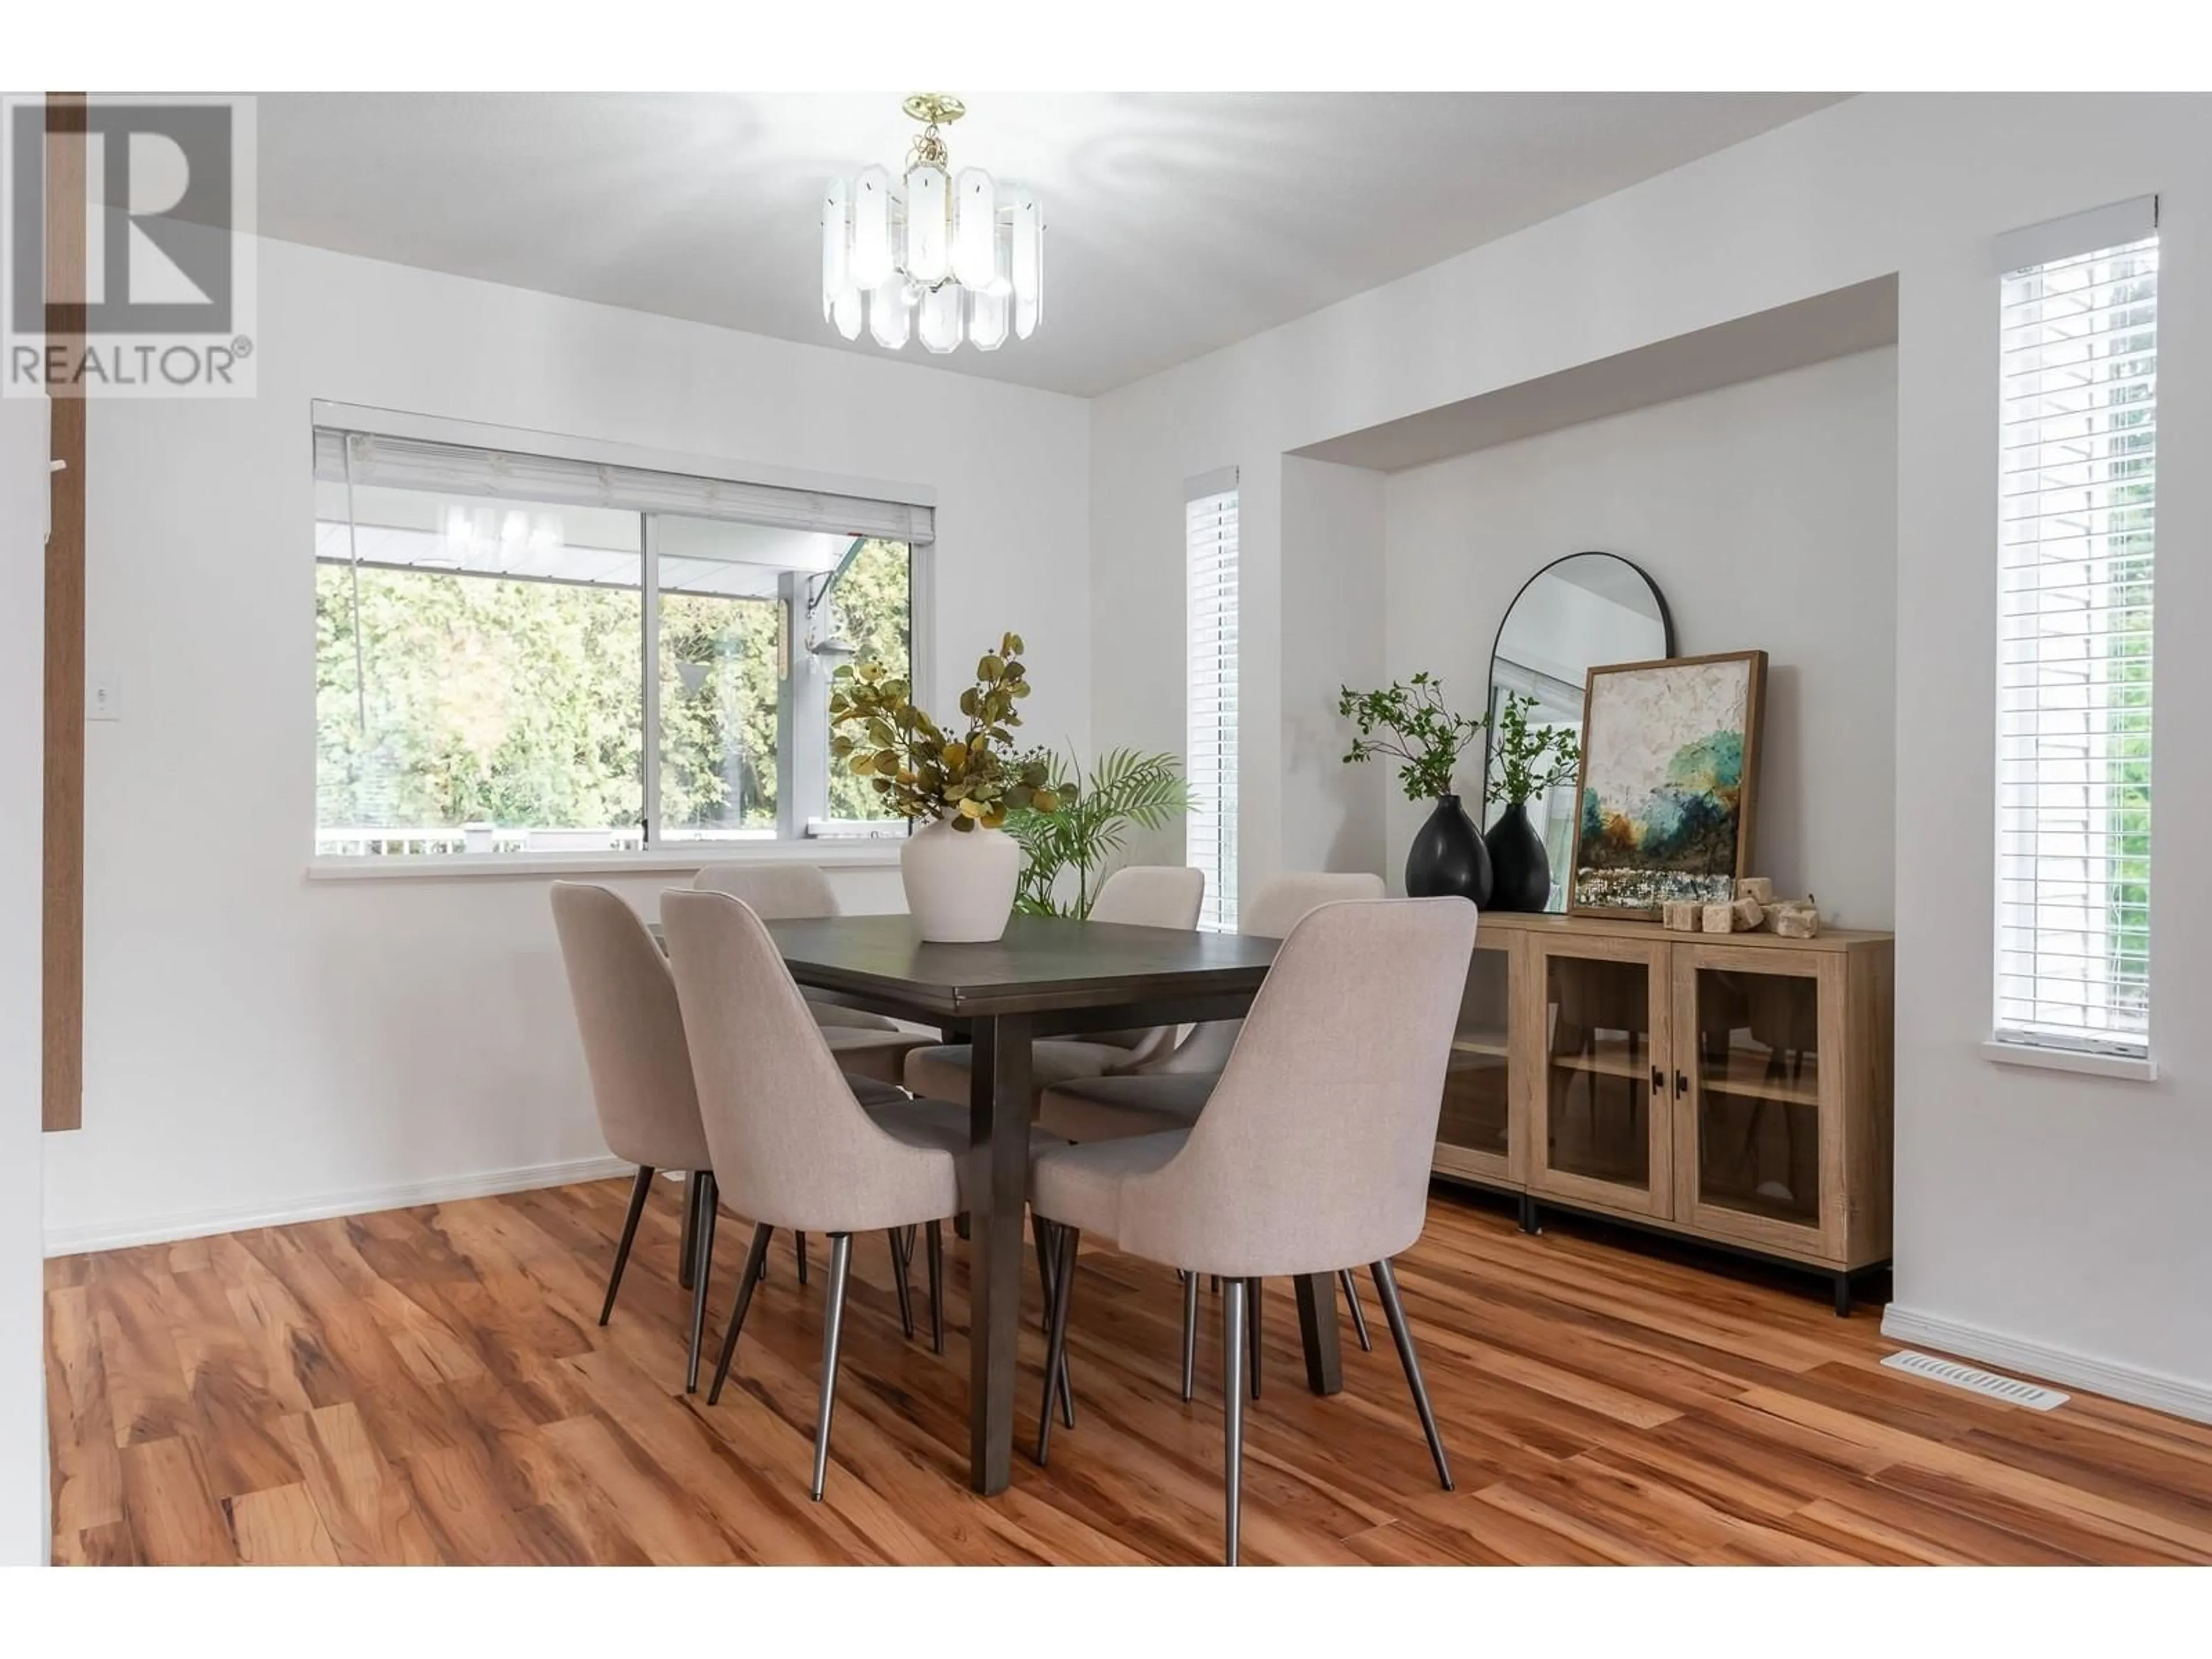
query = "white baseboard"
x=366 y=1200
x=2045 y=1363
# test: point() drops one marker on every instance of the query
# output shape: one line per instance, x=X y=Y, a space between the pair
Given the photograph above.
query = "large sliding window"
x=524 y=652
x=2078 y=449
x=1210 y=687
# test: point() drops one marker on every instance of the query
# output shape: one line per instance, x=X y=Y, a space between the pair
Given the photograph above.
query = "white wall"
x=23 y=1527
x=2056 y=1211
x=1767 y=514
x=258 y=1045
x=1332 y=587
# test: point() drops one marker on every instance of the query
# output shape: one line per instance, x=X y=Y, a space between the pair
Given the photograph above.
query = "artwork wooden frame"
x=1601 y=881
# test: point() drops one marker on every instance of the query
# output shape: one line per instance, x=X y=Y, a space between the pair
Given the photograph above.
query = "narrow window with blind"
x=1210 y=735
x=518 y=652
x=2078 y=461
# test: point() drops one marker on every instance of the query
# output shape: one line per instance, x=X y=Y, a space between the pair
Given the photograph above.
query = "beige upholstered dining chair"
x=1311 y=1156
x=1274 y=910
x=872 y=1049
x=1170 y=1093
x=640 y=1072
x=792 y=1144
x=789 y=892
x=1141 y=896
x=866 y=1045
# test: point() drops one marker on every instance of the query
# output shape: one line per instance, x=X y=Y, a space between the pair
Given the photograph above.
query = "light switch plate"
x=103 y=698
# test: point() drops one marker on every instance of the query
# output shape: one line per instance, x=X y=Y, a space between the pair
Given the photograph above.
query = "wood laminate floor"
x=429 y=1385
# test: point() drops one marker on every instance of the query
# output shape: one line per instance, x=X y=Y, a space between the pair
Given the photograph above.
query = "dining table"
x=1044 y=976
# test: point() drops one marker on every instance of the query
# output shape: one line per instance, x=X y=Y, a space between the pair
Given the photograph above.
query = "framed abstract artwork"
x=1669 y=774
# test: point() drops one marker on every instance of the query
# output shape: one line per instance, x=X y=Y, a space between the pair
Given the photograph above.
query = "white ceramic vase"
x=960 y=884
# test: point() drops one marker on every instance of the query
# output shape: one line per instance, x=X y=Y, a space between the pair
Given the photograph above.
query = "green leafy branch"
x=1416 y=728
x=1531 y=760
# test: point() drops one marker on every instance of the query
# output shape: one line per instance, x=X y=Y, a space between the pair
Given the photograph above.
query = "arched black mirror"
x=1574 y=614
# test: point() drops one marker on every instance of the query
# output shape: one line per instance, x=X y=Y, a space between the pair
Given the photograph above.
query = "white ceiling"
x=1177 y=222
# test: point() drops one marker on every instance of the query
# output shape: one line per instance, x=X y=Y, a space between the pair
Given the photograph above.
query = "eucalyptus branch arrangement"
x=1417 y=728
x=1530 y=761
x=1125 y=790
x=920 y=771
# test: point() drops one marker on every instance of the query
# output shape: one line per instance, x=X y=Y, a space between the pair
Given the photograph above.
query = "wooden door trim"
x=1740 y=959
x=62 y=920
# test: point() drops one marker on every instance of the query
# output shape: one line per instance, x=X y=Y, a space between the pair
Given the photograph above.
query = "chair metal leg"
x=1041 y=1234
x=901 y=1244
x=1358 y=1313
x=710 y=1204
x=640 y=1190
x=1252 y=1315
x=748 y=1277
x=1067 y=1389
x=799 y=1248
x=841 y=1263
x=1789 y=1148
x=1047 y=1234
x=1385 y=1287
x=1055 y=1352
x=935 y=1235
x=1189 y=1334
x=1232 y=1410
x=687 y=1250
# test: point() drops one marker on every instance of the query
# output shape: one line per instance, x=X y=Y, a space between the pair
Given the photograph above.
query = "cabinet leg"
x=1843 y=1296
x=1531 y=1221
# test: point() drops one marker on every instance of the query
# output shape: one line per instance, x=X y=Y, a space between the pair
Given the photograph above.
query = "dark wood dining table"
x=1044 y=977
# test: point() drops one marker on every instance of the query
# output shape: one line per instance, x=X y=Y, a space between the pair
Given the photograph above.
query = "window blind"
x=1209 y=745
x=454 y=469
x=2077 y=448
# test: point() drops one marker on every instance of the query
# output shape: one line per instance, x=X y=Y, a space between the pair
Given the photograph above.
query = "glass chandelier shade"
x=946 y=256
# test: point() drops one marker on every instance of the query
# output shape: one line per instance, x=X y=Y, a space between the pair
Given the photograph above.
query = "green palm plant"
x=1127 y=789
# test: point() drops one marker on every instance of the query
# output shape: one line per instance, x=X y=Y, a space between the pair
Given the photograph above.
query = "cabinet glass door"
x=1475 y=1135
x=1755 y=1159
x=1606 y=1140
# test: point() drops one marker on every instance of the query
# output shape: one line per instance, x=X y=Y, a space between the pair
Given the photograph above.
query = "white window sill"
x=853 y=853
x=2121 y=1066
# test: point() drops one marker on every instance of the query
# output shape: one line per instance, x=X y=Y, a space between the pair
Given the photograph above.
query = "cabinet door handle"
x=1682 y=1084
x=1658 y=1081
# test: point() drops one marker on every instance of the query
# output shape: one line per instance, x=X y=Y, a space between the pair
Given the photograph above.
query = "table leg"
x=999 y=1142
x=1317 y=1328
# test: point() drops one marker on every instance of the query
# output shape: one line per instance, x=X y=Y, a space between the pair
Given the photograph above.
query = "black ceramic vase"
x=1448 y=856
x=1520 y=868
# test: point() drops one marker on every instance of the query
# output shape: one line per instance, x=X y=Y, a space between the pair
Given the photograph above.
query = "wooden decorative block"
x=1796 y=921
x=1755 y=887
x=1720 y=918
x=1776 y=907
x=1680 y=916
x=1748 y=914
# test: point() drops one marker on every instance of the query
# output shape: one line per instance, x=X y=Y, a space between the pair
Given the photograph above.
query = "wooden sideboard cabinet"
x=1732 y=1088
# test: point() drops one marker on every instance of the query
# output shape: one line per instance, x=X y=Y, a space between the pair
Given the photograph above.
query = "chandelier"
x=942 y=255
